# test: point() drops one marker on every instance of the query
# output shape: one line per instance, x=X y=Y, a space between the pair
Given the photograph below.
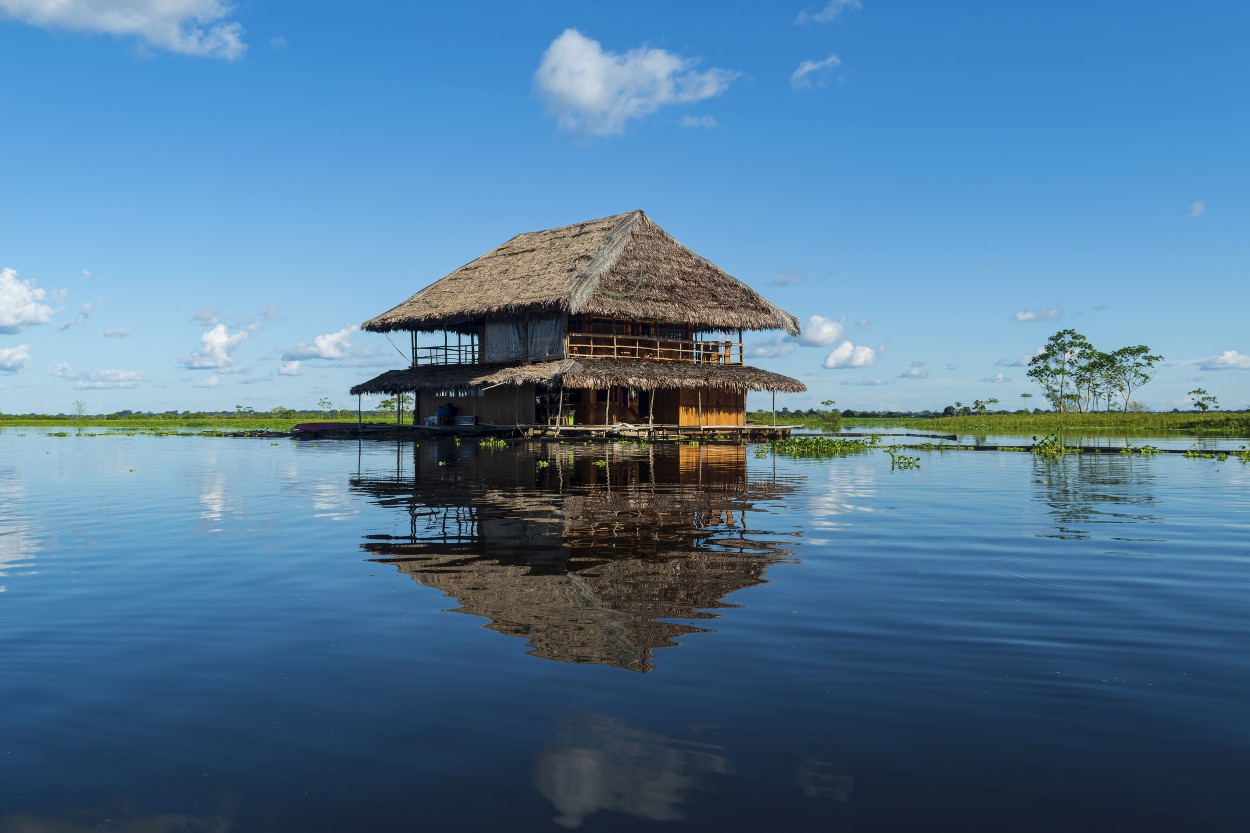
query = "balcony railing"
x=605 y=346
x=602 y=346
x=451 y=354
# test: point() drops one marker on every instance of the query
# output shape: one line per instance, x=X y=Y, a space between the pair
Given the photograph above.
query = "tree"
x=1131 y=367
x=1203 y=401
x=80 y=409
x=1054 y=366
x=326 y=405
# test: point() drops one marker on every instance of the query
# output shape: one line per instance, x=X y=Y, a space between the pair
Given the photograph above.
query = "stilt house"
x=604 y=322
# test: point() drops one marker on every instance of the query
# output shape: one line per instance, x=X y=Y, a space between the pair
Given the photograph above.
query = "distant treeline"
x=1223 y=422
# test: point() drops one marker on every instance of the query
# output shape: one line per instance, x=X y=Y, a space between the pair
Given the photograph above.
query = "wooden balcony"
x=451 y=354
x=603 y=346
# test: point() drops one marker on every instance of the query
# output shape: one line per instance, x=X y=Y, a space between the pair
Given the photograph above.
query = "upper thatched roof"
x=581 y=373
x=623 y=266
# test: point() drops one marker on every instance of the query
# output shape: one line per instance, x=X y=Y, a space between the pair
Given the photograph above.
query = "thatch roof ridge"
x=622 y=266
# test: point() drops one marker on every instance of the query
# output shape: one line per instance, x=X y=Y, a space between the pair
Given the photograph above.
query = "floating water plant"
x=493 y=443
x=901 y=461
x=1051 y=447
x=820 y=446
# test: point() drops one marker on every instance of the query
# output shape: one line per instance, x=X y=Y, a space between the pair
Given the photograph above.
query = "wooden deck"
x=734 y=434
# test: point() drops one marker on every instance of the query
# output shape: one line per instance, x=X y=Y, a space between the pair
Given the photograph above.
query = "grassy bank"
x=1051 y=423
x=188 y=421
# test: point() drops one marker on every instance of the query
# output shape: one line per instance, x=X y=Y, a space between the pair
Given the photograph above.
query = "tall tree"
x=1053 y=368
x=1131 y=367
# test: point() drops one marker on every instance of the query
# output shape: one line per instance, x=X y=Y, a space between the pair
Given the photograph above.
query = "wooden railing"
x=604 y=346
x=451 y=354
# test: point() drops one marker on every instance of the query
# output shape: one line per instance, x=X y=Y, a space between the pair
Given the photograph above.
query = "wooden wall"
x=502 y=405
x=720 y=407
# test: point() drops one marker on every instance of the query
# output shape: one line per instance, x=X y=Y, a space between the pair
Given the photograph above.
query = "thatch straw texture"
x=581 y=373
x=623 y=266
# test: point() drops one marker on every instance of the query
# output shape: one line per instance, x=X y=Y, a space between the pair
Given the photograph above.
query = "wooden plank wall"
x=720 y=407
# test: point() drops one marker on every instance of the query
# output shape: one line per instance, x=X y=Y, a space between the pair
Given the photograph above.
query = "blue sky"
x=201 y=201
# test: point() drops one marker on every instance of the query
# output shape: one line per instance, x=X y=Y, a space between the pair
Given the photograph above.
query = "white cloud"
x=847 y=354
x=594 y=93
x=328 y=346
x=832 y=10
x=21 y=302
x=188 y=27
x=215 y=355
x=1196 y=209
x=81 y=318
x=787 y=278
x=1228 y=360
x=821 y=331
x=698 y=121
x=916 y=371
x=1022 y=361
x=98 y=379
x=867 y=383
x=116 y=332
x=812 y=74
x=13 y=359
x=863 y=323
x=211 y=382
x=289 y=369
x=773 y=348
x=997 y=379
x=1038 y=314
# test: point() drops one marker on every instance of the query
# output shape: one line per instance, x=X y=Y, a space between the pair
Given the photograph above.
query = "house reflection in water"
x=585 y=551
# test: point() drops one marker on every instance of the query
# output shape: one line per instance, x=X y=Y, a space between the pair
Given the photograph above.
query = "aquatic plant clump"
x=1051 y=447
x=821 y=446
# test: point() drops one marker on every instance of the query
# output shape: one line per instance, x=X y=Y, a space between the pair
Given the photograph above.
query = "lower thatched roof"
x=581 y=373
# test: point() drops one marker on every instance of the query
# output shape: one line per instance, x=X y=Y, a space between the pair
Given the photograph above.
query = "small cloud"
x=187 y=27
x=1038 y=314
x=116 y=332
x=1228 y=360
x=215 y=353
x=847 y=354
x=1022 y=361
x=329 y=346
x=812 y=74
x=775 y=347
x=289 y=369
x=1196 y=209
x=821 y=332
x=85 y=274
x=916 y=371
x=21 y=303
x=208 y=316
x=831 y=12
x=997 y=379
x=211 y=382
x=863 y=323
x=787 y=278
x=13 y=359
x=698 y=121
x=950 y=366
x=269 y=313
x=867 y=383
x=84 y=313
x=98 y=379
x=593 y=92
x=278 y=43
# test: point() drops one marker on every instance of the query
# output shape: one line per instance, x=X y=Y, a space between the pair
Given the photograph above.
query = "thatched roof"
x=623 y=266
x=581 y=373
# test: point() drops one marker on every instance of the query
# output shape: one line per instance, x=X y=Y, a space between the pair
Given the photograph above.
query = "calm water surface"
x=222 y=634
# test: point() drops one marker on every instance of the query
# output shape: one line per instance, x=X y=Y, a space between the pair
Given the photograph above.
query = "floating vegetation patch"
x=901 y=461
x=1051 y=447
x=1144 y=451
x=822 y=446
x=493 y=443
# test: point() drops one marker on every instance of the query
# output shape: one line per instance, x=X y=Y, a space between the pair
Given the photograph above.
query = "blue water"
x=239 y=634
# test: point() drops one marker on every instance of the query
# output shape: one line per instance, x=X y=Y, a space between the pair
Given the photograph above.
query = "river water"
x=212 y=634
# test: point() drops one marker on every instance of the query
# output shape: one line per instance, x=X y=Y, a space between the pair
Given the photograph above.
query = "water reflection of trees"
x=587 y=552
x=1082 y=490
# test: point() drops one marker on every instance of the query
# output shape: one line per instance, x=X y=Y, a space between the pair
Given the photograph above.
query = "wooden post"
x=399 y=408
x=650 y=412
x=414 y=348
x=700 y=401
x=774 y=410
x=360 y=416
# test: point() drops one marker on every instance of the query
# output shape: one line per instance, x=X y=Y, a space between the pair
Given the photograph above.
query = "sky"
x=200 y=201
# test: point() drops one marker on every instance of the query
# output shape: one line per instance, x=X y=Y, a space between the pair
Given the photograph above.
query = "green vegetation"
x=816 y=419
x=1049 y=422
x=1203 y=401
x=242 y=418
x=493 y=444
x=1075 y=376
